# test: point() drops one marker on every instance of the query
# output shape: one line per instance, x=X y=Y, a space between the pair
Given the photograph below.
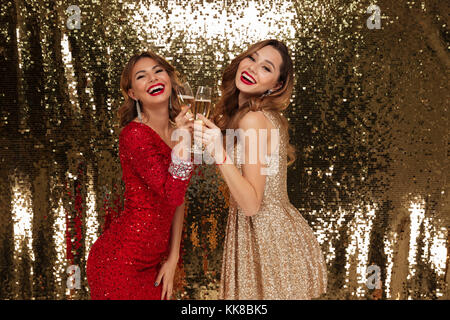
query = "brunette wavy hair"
x=227 y=113
x=127 y=112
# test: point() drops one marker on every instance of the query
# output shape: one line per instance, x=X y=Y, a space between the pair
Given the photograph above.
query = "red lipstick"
x=247 y=78
x=156 y=89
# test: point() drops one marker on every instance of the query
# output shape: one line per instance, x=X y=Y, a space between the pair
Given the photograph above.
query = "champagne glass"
x=186 y=97
x=202 y=106
x=203 y=101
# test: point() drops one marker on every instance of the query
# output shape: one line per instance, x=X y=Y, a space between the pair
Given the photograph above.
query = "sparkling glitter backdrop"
x=369 y=119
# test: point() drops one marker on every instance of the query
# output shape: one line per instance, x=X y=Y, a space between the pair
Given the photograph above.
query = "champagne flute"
x=186 y=97
x=203 y=101
x=202 y=106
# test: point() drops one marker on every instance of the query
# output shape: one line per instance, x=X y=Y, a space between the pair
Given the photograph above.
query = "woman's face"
x=259 y=72
x=150 y=82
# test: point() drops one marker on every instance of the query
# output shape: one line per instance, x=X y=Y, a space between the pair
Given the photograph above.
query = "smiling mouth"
x=156 y=89
x=247 y=78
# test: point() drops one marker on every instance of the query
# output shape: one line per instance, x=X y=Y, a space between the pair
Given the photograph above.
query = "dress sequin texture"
x=273 y=254
x=124 y=261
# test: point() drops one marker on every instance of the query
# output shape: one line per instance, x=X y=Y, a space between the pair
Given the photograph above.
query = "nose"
x=153 y=77
x=251 y=69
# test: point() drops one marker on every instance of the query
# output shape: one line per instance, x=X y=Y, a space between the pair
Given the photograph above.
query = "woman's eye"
x=139 y=77
x=160 y=70
x=267 y=69
x=251 y=58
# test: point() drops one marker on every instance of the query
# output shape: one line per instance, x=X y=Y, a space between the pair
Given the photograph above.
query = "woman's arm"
x=167 y=272
x=177 y=229
x=248 y=188
x=140 y=150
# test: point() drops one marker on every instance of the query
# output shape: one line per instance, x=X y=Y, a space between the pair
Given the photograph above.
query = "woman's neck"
x=242 y=98
x=158 y=119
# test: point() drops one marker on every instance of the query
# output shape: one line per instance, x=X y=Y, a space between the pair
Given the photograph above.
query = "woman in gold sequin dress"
x=270 y=251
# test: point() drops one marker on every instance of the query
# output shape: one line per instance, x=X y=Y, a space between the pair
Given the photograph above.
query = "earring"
x=268 y=92
x=138 y=108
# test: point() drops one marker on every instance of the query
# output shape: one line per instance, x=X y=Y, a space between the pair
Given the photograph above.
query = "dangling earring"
x=138 y=108
x=268 y=92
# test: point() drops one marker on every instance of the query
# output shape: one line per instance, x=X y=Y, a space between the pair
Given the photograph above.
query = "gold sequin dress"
x=273 y=254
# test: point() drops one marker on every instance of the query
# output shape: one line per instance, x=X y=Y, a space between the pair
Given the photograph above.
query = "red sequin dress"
x=125 y=260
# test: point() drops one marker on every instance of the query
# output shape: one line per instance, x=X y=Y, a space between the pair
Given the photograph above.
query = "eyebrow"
x=155 y=66
x=268 y=61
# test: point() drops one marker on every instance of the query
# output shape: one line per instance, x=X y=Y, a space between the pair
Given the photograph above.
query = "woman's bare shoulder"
x=254 y=119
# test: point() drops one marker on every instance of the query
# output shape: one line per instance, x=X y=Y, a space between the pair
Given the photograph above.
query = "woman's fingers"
x=169 y=292
x=197 y=129
x=188 y=115
x=190 y=125
x=200 y=133
x=183 y=118
x=200 y=128
x=204 y=137
x=184 y=110
x=163 y=293
x=185 y=125
x=206 y=121
x=158 y=278
x=164 y=290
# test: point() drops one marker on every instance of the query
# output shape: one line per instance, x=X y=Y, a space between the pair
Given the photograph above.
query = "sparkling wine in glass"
x=202 y=106
x=203 y=101
x=186 y=97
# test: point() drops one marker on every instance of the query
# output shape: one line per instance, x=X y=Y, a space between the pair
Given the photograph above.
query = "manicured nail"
x=156 y=284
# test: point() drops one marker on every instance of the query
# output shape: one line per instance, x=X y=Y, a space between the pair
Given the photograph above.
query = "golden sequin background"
x=369 y=119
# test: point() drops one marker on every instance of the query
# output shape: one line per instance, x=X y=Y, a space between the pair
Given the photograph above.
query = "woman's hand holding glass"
x=211 y=137
x=200 y=104
x=185 y=124
x=186 y=97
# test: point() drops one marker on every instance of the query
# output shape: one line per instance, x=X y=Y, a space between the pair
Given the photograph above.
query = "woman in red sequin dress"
x=135 y=258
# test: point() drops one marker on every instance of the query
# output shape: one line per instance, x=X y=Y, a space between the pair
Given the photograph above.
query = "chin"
x=242 y=87
x=163 y=97
x=157 y=100
x=249 y=93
